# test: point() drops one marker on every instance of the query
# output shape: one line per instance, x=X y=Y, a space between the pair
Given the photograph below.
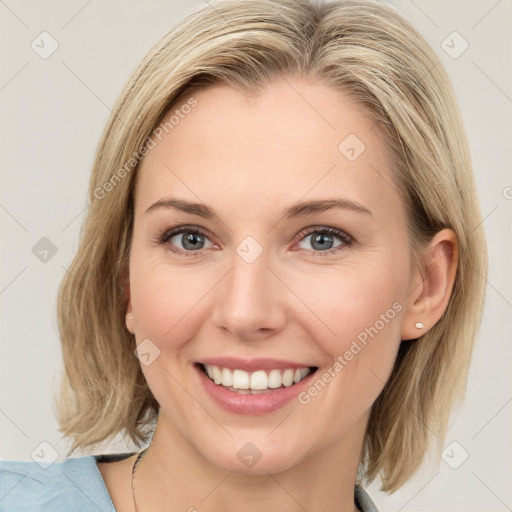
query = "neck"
x=173 y=472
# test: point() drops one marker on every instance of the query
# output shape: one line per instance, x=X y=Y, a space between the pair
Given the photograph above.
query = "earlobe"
x=432 y=287
x=130 y=323
x=129 y=320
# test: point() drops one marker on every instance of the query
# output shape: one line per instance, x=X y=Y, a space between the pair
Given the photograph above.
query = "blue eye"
x=323 y=240
x=191 y=239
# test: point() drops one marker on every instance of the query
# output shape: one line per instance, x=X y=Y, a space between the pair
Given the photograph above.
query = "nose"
x=250 y=300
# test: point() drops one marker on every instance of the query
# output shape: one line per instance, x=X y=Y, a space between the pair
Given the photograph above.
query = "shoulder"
x=72 y=484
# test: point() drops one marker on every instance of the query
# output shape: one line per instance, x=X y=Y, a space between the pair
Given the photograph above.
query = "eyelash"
x=347 y=240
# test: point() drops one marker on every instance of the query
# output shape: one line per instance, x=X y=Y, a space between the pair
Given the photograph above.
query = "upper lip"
x=251 y=365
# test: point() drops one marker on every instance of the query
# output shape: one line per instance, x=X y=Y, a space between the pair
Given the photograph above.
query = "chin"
x=245 y=457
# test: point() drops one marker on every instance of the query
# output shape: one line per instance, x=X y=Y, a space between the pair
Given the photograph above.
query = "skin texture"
x=248 y=160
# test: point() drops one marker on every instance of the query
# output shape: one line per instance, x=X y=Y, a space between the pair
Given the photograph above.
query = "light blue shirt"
x=74 y=485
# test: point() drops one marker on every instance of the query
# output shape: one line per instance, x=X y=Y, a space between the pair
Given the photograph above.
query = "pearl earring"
x=419 y=325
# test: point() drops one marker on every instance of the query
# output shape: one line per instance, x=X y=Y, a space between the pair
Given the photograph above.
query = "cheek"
x=167 y=301
x=345 y=303
x=167 y=309
x=358 y=329
x=355 y=318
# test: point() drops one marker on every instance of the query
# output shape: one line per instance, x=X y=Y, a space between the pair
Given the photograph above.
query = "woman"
x=278 y=284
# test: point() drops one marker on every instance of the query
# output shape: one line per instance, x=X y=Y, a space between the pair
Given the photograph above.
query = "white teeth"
x=240 y=379
x=259 y=380
x=227 y=377
x=217 y=375
x=256 y=382
x=287 y=378
x=274 y=379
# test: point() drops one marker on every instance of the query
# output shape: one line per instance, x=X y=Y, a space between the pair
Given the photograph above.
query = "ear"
x=130 y=323
x=431 y=286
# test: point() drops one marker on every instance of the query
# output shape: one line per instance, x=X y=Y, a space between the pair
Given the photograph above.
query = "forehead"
x=296 y=138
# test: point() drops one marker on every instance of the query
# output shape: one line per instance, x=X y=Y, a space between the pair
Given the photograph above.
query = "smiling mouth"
x=257 y=382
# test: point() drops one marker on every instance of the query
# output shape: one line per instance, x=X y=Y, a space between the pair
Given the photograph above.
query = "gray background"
x=52 y=113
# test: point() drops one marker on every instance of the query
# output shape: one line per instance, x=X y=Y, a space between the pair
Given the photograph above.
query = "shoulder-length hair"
x=363 y=48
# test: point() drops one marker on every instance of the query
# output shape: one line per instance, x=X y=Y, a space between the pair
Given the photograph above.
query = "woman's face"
x=230 y=267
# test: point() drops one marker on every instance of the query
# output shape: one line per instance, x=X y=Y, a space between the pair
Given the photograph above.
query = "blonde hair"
x=360 y=47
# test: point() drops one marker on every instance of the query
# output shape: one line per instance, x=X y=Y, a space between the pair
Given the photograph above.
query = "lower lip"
x=251 y=404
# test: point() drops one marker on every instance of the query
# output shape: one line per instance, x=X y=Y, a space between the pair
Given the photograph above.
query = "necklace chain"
x=135 y=464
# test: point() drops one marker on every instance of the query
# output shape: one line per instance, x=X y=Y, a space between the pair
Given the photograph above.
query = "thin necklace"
x=135 y=464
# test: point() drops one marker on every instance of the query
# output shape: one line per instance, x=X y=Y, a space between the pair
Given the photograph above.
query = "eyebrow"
x=301 y=209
